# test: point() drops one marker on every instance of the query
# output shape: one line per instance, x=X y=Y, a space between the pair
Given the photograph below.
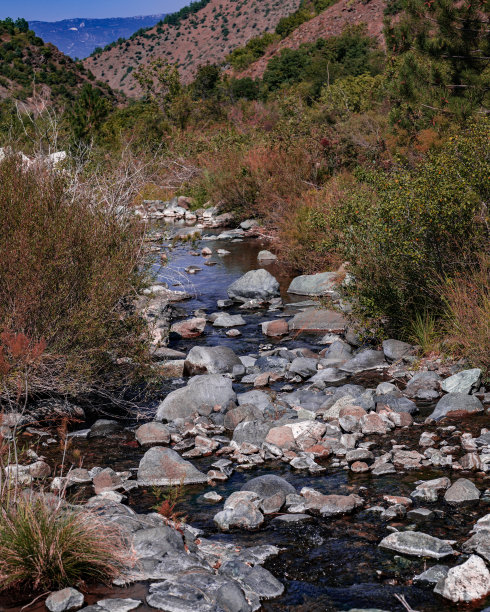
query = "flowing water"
x=325 y=564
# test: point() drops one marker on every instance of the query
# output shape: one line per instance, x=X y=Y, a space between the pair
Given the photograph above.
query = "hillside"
x=330 y=22
x=28 y=66
x=205 y=36
x=79 y=37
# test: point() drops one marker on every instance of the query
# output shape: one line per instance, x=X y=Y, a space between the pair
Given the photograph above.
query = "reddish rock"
x=106 y=480
x=359 y=467
x=372 y=423
x=275 y=328
x=191 y=328
x=395 y=499
x=407 y=459
x=152 y=433
x=401 y=419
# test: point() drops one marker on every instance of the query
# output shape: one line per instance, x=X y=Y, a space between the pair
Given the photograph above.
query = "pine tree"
x=440 y=61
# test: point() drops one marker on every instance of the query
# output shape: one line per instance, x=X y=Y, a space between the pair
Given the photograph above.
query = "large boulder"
x=268 y=485
x=253 y=432
x=240 y=510
x=153 y=433
x=201 y=395
x=64 y=600
x=462 y=492
x=458 y=404
x=210 y=360
x=163 y=466
x=190 y=328
x=314 y=284
x=395 y=350
x=466 y=582
x=424 y=386
x=316 y=320
x=254 y=285
x=365 y=360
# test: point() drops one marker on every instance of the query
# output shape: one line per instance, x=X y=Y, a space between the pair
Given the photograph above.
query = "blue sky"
x=54 y=10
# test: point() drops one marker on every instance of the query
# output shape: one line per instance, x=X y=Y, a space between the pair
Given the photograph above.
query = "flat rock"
x=191 y=328
x=64 y=600
x=479 y=543
x=315 y=320
x=423 y=386
x=152 y=434
x=416 y=544
x=227 y=320
x=119 y=605
x=365 y=360
x=276 y=328
x=433 y=575
x=164 y=466
x=466 y=582
x=395 y=350
x=430 y=490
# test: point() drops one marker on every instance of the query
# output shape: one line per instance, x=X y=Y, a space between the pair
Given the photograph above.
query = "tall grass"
x=45 y=546
x=67 y=267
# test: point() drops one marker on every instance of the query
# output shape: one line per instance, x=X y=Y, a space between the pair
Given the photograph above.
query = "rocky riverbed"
x=319 y=472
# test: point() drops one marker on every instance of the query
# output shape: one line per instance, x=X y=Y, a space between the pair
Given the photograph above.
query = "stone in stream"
x=433 y=575
x=462 y=492
x=191 y=328
x=201 y=395
x=227 y=320
x=303 y=366
x=103 y=428
x=315 y=320
x=119 y=605
x=418 y=544
x=330 y=505
x=365 y=360
x=469 y=581
x=151 y=434
x=337 y=354
x=268 y=485
x=210 y=360
x=255 y=284
x=240 y=510
x=479 y=543
x=64 y=600
x=257 y=399
x=266 y=256
x=324 y=283
x=462 y=382
x=254 y=432
x=458 y=404
x=276 y=328
x=424 y=386
x=163 y=466
x=430 y=490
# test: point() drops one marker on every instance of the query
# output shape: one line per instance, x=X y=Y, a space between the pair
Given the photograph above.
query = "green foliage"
x=288 y=24
x=245 y=88
x=160 y=82
x=206 y=82
x=406 y=230
x=351 y=53
x=352 y=94
x=175 y=19
x=439 y=64
x=88 y=113
x=242 y=57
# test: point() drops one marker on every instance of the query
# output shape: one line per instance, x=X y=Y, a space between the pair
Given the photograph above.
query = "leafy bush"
x=44 y=546
x=67 y=265
x=242 y=57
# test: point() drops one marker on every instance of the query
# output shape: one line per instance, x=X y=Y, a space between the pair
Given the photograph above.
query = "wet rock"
x=152 y=434
x=408 y=460
x=433 y=575
x=268 y=485
x=472 y=461
x=416 y=544
x=397 y=404
x=458 y=404
x=462 y=492
x=255 y=284
x=337 y=354
x=382 y=469
x=303 y=366
x=253 y=580
x=431 y=489
x=254 y=432
x=420 y=515
x=373 y=424
x=330 y=505
x=462 y=382
x=227 y=320
x=400 y=419
x=266 y=256
x=466 y=582
x=424 y=386
x=296 y=435
x=201 y=395
x=249 y=224
x=118 y=605
x=64 y=600
x=479 y=543
x=316 y=320
x=395 y=350
x=191 y=328
x=275 y=328
x=104 y=427
x=163 y=466
x=241 y=511
x=210 y=360
x=107 y=480
x=292 y=518
x=324 y=283
x=365 y=360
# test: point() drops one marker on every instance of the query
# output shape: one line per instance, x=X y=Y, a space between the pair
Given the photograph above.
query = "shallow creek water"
x=326 y=564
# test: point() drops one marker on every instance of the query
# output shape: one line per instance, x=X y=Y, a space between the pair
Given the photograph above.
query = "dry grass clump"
x=46 y=546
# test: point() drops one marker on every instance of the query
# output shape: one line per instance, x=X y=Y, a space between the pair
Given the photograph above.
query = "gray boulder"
x=254 y=432
x=152 y=433
x=416 y=544
x=424 y=386
x=163 y=466
x=457 y=403
x=462 y=492
x=240 y=511
x=210 y=360
x=255 y=284
x=365 y=360
x=462 y=382
x=64 y=600
x=227 y=320
x=268 y=485
x=118 y=605
x=314 y=284
x=395 y=350
x=200 y=395
x=304 y=366
x=469 y=581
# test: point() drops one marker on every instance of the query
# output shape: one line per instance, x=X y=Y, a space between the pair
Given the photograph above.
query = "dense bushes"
x=67 y=263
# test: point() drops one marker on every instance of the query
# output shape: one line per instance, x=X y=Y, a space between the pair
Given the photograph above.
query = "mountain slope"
x=205 y=36
x=79 y=37
x=28 y=67
x=330 y=22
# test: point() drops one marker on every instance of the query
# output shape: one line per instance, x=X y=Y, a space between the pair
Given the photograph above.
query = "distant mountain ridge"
x=79 y=37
